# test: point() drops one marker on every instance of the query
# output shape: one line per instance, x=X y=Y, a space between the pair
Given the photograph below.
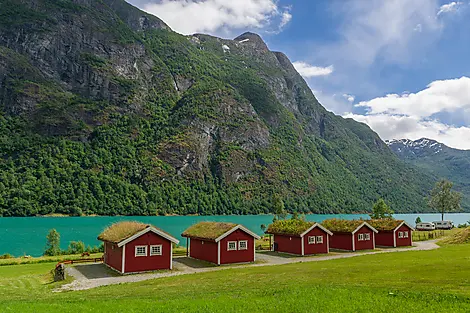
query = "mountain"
x=105 y=110
x=439 y=160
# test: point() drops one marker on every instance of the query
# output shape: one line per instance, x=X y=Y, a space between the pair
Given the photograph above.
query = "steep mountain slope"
x=439 y=160
x=105 y=110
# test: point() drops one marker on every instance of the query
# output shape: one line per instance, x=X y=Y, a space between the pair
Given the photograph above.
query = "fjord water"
x=26 y=235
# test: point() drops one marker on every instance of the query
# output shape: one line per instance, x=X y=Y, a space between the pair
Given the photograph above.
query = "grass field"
x=433 y=234
x=46 y=259
x=418 y=281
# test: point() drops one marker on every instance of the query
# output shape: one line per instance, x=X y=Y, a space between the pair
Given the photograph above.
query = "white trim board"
x=146 y=230
x=404 y=223
x=319 y=226
x=123 y=259
x=365 y=224
x=171 y=255
x=218 y=253
x=394 y=237
x=241 y=227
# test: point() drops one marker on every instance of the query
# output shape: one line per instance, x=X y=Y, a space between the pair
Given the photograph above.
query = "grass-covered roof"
x=341 y=226
x=120 y=231
x=293 y=227
x=386 y=224
x=208 y=230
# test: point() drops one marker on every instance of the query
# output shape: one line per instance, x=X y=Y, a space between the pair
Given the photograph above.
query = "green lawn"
x=47 y=259
x=418 y=281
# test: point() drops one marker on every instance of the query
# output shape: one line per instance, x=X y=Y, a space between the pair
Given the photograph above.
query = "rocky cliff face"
x=114 y=113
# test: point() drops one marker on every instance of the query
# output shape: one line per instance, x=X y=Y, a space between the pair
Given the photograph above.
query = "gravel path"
x=95 y=275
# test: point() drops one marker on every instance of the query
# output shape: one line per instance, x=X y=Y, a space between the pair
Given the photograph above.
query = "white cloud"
x=413 y=115
x=449 y=7
x=350 y=98
x=418 y=28
x=286 y=18
x=211 y=16
x=307 y=70
x=406 y=127
x=384 y=29
x=442 y=95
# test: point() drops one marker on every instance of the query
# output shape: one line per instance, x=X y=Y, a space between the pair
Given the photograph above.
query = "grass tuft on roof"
x=293 y=227
x=386 y=224
x=338 y=225
x=208 y=230
x=120 y=231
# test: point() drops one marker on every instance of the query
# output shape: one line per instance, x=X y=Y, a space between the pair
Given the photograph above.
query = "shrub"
x=76 y=247
x=6 y=256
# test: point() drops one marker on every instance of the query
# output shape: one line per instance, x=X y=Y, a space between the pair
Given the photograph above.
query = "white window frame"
x=319 y=239
x=400 y=234
x=405 y=234
x=311 y=240
x=360 y=237
x=234 y=245
x=156 y=246
x=246 y=245
x=137 y=248
x=366 y=236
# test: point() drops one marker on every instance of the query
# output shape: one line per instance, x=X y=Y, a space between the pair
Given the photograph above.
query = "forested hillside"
x=439 y=160
x=105 y=110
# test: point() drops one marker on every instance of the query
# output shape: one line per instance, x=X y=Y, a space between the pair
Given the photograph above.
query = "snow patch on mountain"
x=415 y=146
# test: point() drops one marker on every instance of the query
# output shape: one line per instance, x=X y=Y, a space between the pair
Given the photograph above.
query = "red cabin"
x=351 y=235
x=132 y=247
x=299 y=237
x=392 y=233
x=221 y=243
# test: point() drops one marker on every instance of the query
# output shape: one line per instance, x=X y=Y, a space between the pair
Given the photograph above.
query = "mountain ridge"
x=439 y=160
x=105 y=110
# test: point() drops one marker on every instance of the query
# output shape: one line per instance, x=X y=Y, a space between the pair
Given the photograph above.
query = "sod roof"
x=341 y=226
x=208 y=230
x=289 y=227
x=120 y=231
x=387 y=224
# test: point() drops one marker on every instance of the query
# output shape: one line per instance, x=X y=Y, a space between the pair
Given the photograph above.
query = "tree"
x=418 y=220
x=278 y=205
x=443 y=199
x=381 y=210
x=76 y=247
x=53 y=243
x=263 y=227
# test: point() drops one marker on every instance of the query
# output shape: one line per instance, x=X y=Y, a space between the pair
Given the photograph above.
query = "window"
x=400 y=234
x=156 y=250
x=405 y=234
x=242 y=245
x=360 y=237
x=311 y=240
x=367 y=236
x=140 y=250
x=232 y=245
x=319 y=239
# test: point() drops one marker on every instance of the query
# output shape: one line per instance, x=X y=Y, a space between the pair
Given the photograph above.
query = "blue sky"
x=401 y=66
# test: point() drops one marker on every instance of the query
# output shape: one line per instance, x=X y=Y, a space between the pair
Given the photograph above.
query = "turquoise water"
x=26 y=235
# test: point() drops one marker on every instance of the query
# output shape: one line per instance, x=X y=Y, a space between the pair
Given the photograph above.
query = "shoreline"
x=200 y=215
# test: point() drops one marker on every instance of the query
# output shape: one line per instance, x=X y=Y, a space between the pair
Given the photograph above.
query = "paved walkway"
x=95 y=275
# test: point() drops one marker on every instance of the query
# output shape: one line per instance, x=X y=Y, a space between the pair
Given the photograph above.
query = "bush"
x=75 y=247
x=95 y=249
x=6 y=256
